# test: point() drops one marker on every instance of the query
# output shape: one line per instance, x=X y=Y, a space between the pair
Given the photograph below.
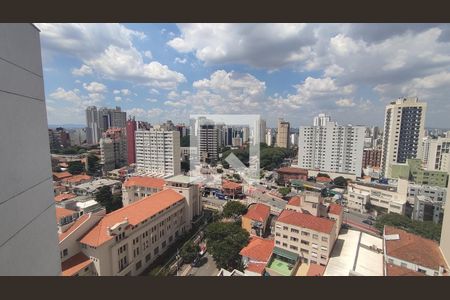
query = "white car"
x=346 y=210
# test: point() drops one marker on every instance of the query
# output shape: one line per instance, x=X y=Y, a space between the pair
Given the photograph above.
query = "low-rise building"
x=412 y=252
x=255 y=221
x=138 y=187
x=412 y=170
x=91 y=188
x=256 y=256
x=231 y=189
x=427 y=209
x=286 y=174
x=435 y=193
x=76 y=180
x=58 y=176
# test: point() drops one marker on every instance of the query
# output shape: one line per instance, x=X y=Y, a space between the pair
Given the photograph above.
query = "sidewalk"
x=185 y=269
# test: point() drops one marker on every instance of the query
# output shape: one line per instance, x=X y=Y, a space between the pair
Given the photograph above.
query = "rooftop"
x=295 y=201
x=292 y=170
x=226 y=184
x=149 y=182
x=256 y=267
x=74 y=226
x=61 y=175
x=77 y=178
x=413 y=248
x=183 y=179
x=306 y=221
x=393 y=270
x=315 y=270
x=334 y=209
x=258 y=212
x=135 y=213
x=63 y=212
x=258 y=249
x=323 y=179
x=96 y=184
x=75 y=264
x=63 y=197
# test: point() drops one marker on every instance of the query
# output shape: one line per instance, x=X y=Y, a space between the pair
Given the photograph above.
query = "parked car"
x=368 y=222
x=371 y=218
x=346 y=210
x=195 y=262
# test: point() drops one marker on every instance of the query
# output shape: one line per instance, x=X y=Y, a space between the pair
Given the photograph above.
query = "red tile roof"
x=61 y=175
x=334 y=209
x=295 y=201
x=226 y=184
x=135 y=212
x=393 y=270
x=291 y=170
x=75 y=264
x=315 y=270
x=258 y=212
x=74 y=226
x=256 y=267
x=258 y=249
x=323 y=179
x=149 y=182
x=63 y=197
x=63 y=212
x=414 y=249
x=77 y=178
x=306 y=221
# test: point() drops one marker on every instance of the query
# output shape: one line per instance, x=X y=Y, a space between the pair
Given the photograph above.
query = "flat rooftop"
x=355 y=252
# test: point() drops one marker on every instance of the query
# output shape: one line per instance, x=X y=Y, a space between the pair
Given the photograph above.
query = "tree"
x=107 y=199
x=284 y=191
x=225 y=241
x=94 y=166
x=323 y=175
x=340 y=181
x=425 y=229
x=233 y=209
x=220 y=171
x=189 y=252
x=236 y=176
x=76 y=167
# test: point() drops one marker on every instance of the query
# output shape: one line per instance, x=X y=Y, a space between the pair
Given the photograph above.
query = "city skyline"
x=166 y=71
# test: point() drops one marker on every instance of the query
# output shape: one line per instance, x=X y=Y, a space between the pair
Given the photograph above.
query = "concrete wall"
x=28 y=234
x=445 y=234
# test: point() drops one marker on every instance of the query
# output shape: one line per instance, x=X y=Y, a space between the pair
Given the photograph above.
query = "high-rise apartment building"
x=404 y=126
x=269 y=137
x=28 y=235
x=371 y=157
x=92 y=131
x=158 y=152
x=321 y=120
x=262 y=130
x=131 y=140
x=98 y=121
x=445 y=234
x=331 y=148
x=435 y=150
x=113 y=149
x=58 y=138
x=283 y=134
x=208 y=141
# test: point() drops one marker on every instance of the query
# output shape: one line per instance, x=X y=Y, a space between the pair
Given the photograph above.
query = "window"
x=294 y=239
x=323 y=248
x=285 y=228
x=294 y=230
x=277 y=242
x=284 y=245
x=404 y=265
x=305 y=242
x=285 y=236
x=163 y=244
x=138 y=265
x=293 y=247
x=324 y=239
x=304 y=233
x=65 y=252
x=315 y=236
x=314 y=245
x=156 y=251
x=277 y=234
x=147 y=257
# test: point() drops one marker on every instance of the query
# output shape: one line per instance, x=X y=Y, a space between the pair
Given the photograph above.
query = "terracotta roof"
x=74 y=226
x=315 y=270
x=61 y=175
x=75 y=264
x=306 y=221
x=149 y=182
x=256 y=267
x=258 y=212
x=292 y=170
x=414 y=249
x=63 y=197
x=295 y=201
x=226 y=184
x=258 y=249
x=77 y=178
x=334 y=209
x=63 y=212
x=135 y=212
x=393 y=270
x=323 y=179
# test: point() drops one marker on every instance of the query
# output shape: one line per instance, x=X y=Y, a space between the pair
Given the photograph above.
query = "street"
x=355 y=219
x=207 y=267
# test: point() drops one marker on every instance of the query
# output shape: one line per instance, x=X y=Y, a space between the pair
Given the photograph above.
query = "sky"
x=159 y=72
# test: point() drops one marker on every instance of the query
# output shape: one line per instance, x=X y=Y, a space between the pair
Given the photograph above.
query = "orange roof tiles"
x=334 y=209
x=258 y=212
x=295 y=201
x=77 y=178
x=61 y=175
x=63 y=212
x=226 y=184
x=315 y=270
x=74 y=226
x=258 y=249
x=75 y=264
x=393 y=270
x=256 y=267
x=323 y=179
x=63 y=197
x=135 y=212
x=306 y=221
x=149 y=182
x=414 y=249
x=291 y=170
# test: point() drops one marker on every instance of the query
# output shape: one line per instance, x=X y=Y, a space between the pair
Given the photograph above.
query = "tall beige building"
x=113 y=149
x=28 y=234
x=445 y=234
x=283 y=134
x=404 y=129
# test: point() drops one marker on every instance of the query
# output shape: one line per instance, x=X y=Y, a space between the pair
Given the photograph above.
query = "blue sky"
x=158 y=72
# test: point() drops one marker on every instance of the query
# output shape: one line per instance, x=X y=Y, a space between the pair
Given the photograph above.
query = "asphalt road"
x=207 y=267
x=355 y=219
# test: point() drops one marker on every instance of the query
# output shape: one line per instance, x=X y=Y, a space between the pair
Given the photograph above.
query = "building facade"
x=28 y=234
x=404 y=128
x=100 y=120
x=131 y=140
x=283 y=134
x=113 y=149
x=208 y=143
x=371 y=158
x=437 y=149
x=412 y=170
x=158 y=152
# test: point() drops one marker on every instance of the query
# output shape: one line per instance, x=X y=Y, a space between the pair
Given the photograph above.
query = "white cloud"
x=151 y=100
x=95 y=87
x=82 y=71
x=148 y=54
x=180 y=60
x=144 y=114
x=175 y=103
x=118 y=99
x=345 y=103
